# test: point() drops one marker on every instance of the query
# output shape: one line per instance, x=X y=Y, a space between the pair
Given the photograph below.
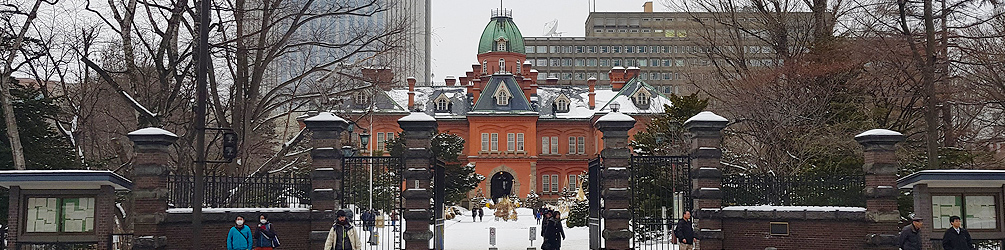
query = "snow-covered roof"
x=615 y=117
x=706 y=116
x=954 y=178
x=624 y=98
x=152 y=131
x=881 y=132
x=793 y=208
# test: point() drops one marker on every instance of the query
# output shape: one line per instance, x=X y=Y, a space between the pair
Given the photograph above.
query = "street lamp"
x=615 y=106
x=364 y=139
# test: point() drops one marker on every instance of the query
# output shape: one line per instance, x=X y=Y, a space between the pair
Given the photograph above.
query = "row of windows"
x=612 y=62
x=382 y=139
x=549 y=145
x=636 y=21
x=603 y=77
x=550 y=183
x=640 y=49
x=514 y=142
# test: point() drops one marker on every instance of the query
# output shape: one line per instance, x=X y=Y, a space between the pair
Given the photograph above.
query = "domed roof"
x=501 y=27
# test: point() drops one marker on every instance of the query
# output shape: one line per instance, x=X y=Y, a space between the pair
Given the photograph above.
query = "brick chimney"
x=411 y=93
x=381 y=77
x=647 y=7
x=451 y=81
x=477 y=91
x=631 y=72
x=617 y=76
x=463 y=81
x=592 y=82
x=526 y=68
x=477 y=68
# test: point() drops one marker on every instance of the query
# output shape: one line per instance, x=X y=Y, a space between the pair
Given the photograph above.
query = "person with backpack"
x=239 y=237
x=265 y=237
x=342 y=236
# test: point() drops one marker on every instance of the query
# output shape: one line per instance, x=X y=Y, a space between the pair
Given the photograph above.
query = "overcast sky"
x=458 y=24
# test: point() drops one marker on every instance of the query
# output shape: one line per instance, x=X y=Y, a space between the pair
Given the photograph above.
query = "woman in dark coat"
x=553 y=233
x=265 y=236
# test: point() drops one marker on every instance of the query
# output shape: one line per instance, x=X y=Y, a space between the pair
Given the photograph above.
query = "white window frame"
x=380 y=141
x=544 y=145
x=581 y=145
x=502 y=65
x=545 y=183
x=573 y=183
x=502 y=95
x=519 y=142
x=495 y=142
x=554 y=183
x=562 y=103
x=501 y=45
x=554 y=145
x=485 y=141
x=510 y=142
x=572 y=145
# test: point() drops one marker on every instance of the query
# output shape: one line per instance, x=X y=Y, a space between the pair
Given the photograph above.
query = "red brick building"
x=521 y=134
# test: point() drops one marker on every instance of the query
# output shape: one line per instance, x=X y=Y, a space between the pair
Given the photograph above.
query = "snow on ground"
x=463 y=234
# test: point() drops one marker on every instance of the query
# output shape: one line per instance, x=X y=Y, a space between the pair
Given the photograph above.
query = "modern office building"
x=668 y=47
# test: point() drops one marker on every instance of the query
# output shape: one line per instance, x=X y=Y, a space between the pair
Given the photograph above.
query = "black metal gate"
x=661 y=192
x=371 y=188
x=596 y=165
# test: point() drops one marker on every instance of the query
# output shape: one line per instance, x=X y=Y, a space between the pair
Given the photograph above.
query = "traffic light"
x=229 y=145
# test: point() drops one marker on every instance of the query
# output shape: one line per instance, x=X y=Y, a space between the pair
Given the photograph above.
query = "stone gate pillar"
x=326 y=178
x=615 y=193
x=706 y=174
x=880 y=186
x=418 y=131
x=150 y=193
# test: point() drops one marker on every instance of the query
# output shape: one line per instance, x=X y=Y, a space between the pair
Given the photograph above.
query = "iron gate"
x=661 y=192
x=594 y=198
x=371 y=188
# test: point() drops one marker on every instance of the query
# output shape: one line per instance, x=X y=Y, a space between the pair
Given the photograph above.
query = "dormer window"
x=642 y=98
x=562 y=103
x=442 y=103
x=362 y=98
x=502 y=95
x=501 y=44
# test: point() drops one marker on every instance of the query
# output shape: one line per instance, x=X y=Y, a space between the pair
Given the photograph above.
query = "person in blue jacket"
x=240 y=236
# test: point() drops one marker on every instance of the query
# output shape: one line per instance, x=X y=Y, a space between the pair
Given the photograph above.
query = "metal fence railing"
x=794 y=190
x=229 y=192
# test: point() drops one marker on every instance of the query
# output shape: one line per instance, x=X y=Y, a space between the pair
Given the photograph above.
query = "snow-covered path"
x=463 y=234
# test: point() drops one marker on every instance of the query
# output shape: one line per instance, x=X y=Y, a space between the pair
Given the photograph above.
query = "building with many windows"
x=668 y=47
x=523 y=134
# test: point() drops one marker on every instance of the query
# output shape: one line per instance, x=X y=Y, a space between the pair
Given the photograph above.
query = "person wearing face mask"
x=239 y=237
x=265 y=236
x=342 y=236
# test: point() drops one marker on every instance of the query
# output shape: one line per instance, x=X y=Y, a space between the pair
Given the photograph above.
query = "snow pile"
x=706 y=116
x=616 y=117
x=152 y=131
x=879 y=132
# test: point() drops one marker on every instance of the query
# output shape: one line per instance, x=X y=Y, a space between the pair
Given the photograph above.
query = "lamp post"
x=364 y=139
x=615 y=106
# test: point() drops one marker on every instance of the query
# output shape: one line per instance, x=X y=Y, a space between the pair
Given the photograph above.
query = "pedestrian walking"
x=685 y=232
x=342 y=236
x=474 y=213
x=552 y=233
x=957 y=237
x=265 y=237
x=368 y=220
x=239 y=237
x=910 y=236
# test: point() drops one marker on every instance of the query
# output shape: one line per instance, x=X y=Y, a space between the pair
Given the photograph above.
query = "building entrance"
x=502 y=185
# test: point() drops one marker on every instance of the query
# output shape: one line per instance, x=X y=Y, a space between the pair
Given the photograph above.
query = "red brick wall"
x=803 y=234
x=292 y=234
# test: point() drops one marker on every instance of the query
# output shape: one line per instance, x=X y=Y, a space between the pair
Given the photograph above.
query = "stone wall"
x=836 y=234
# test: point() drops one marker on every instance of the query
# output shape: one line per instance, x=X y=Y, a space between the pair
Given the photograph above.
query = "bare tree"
x=14 y=33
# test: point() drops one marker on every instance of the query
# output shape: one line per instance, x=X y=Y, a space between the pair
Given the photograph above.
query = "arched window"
x=502 y=95
x=485 y=66
x=442 y=103
x=562 y=103
x=502 y=65
x=642 y=98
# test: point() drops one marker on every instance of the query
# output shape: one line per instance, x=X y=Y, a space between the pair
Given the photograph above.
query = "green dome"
x=501 y=27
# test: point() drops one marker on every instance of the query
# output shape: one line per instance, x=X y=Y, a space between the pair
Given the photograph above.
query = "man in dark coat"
x=685 y=232
x=910 y=236
x=956 y=237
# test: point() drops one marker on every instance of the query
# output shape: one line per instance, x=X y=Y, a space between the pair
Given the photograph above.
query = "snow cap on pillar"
x=706 y=119
x=326 y=121
x=879 y=136
x=417 y=121
x=152 y=136
x=615 y=121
